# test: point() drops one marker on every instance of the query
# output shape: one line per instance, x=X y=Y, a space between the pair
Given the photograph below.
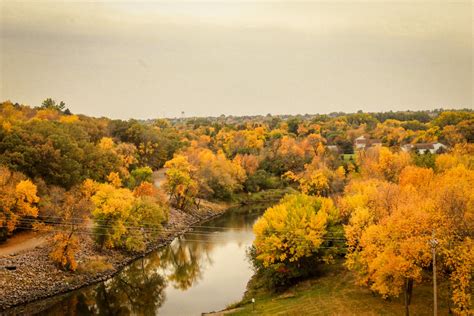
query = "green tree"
x=60 y=154
x=140 y=175
x=51 y=104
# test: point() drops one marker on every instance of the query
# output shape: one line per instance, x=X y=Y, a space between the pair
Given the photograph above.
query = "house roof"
x=367 y=141
x=423 y=145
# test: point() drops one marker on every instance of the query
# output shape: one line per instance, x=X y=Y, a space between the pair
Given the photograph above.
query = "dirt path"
x=29 y=240
x=20 y=242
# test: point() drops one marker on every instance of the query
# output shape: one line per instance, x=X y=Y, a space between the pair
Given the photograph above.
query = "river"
x=201 y=271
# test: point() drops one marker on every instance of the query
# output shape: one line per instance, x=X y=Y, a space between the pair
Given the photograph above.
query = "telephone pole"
x=434 y=243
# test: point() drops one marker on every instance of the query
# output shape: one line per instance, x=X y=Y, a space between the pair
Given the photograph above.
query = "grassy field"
x=334 y=293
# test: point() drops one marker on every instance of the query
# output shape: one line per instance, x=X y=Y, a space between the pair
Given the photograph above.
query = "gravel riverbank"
x=30 y=275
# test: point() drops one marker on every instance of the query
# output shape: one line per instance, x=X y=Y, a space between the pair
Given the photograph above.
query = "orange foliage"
x=17 y=199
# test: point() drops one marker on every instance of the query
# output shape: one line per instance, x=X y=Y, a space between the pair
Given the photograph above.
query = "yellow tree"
x=126 y=219
x=311 y=183
x=126 y=152
x=289 y=235
x=390 y=226
x=112 y=207
x=180 y=186
x=382 y=163
x=317 y=178
x=249 y=141
x=217 y=176
x=17 y=199
x=454 y=200
x=461 y=154
x=394 y=252
x=459 y=260
x=114 y=179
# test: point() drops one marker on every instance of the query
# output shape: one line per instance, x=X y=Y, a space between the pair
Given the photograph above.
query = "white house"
x=362 y=142
x=423 y=148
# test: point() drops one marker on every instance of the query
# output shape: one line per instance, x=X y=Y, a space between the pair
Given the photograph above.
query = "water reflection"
x=181 y=260
x=138 y=290
x=201 y=271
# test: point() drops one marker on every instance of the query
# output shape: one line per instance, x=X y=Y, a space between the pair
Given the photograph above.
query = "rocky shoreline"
x=36 y=278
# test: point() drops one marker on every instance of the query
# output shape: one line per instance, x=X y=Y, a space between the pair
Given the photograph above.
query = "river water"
x=204 y=270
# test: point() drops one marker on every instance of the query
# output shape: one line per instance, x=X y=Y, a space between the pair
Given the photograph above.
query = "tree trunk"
x=407 y=297
x=450 y=312
x=410 y=290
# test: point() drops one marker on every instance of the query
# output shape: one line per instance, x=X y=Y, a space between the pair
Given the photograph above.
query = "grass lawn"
x=347 y=157
x=334 y=293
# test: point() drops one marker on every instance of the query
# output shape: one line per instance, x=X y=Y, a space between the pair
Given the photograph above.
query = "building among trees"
x=423 y=148
x=363 y=142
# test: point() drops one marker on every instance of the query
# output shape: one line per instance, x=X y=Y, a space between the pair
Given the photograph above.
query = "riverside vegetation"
x=87 y=184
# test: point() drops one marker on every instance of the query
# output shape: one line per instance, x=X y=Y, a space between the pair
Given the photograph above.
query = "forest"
x=381 y=191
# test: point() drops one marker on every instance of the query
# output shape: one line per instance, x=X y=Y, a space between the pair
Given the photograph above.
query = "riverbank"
x=30 y=275
x=333 y=292
x=269 y=196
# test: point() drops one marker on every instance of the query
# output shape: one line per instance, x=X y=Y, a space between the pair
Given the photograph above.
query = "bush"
x=262 y=180
x=426 y=160
x=140 y=175
x=94 y=265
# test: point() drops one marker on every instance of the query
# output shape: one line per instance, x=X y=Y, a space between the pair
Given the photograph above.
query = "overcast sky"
x=148 y=59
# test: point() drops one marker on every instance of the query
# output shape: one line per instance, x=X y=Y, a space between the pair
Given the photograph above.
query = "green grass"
x=347 y=157
x=335 y=293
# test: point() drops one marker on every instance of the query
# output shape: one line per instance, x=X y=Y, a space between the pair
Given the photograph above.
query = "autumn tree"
x=383 y=163
x=392 y=254
x=248 y=141
x=18 y=199
x=112 y=207
x=59 y=153
x=114 y=179
x=145 y=222
x=140 y=175
x=318 y=178
x=180 y=186
x=459 y=262
x=217 y=176
x=154 y=144
x=248 y=162
x=290 y=237
x=68 y=224
x=390 y=226
x=126 y=219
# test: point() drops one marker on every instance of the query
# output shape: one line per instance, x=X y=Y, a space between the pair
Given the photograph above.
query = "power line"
x=184 y=234
x=159 y=227
x=145 y=223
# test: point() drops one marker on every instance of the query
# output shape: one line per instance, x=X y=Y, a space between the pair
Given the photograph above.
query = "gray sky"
x=147 y=59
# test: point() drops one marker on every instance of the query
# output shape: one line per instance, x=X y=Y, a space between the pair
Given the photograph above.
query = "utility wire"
x=91 y=233
x=158 y=227
x=80 y=228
